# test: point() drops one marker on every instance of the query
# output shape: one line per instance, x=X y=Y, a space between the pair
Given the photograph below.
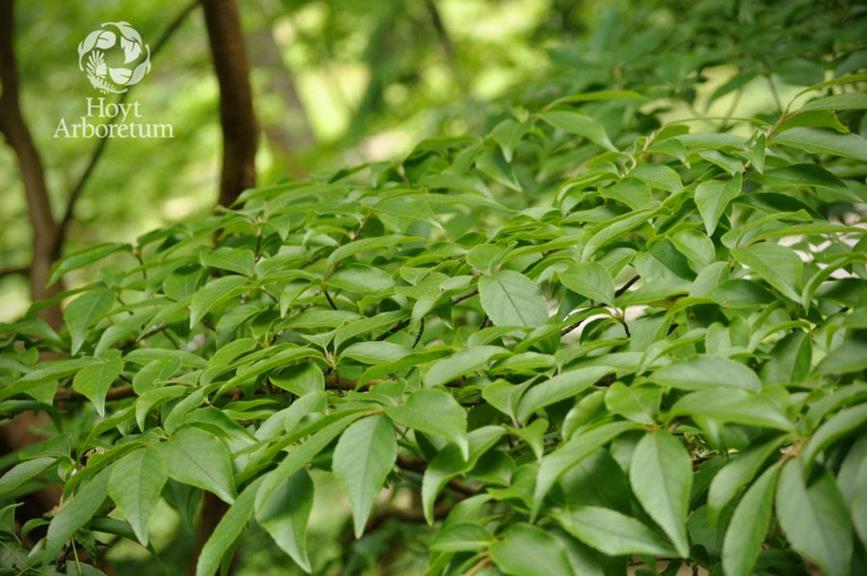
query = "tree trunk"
x=210 y=515
x=17 y=134
x=238 y=120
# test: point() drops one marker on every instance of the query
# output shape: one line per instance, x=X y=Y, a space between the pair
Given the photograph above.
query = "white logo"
x=114 y=57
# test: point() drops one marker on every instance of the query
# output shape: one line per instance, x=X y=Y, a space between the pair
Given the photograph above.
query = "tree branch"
x=14 y=129
x=238 y=120
x=15 y=270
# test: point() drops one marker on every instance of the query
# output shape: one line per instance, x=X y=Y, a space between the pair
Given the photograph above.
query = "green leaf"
x=697 y=248
x=706 y=371
x=361 y=279
x=570 y=454
x=285 y=513
x=661 y=478
x=511 y=299
x=790 y=359
x=815 y=519
x=213 y=293
x=449 y=462
x=135 y=485
x=492 y=163
x=729 y=164
x=153 y=372
x=302 y=454
x=849 y=101
x=200 y=459
x=533 y=435
x=82 y=258
x=630 y=192
x=611 y=532
x=228 y=530
x=597 y=95
x=526 y=550
x=581 y=125
x=300 y=380
x=94 y=381
x=779 y=266
x=848 y=357
x=75 y=513
x=749 y=526
x=636 y=403
x=361 y=326
x=817 y=141
x=450 y=421
x=612 y=229
x=712 y=197
x=859 y=516
x=591 y=280
x=84 y=312
x=375 y=352
x=463 y=537
x=508 y=135
x=22 y=472
x=802 y=175
x=451 y=368
x=812 y=119
x=560 y=387
x=659 y=176
x=740 y=470
x=363 y=458
x=727 y=404
x=365 y=245
x=238 y=260
x=839 y=426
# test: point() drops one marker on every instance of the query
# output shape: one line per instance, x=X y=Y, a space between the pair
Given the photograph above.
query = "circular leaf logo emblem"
x=114 y=57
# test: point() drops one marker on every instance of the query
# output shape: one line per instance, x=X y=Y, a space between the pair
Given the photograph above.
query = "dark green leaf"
x=511 y=299
x=135 y=485
x=526 y=550
x=197 y=458
x=661 y=478
x=362 y=460
x=814 y=518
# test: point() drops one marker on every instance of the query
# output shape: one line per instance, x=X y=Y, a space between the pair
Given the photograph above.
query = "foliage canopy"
x=585 y=340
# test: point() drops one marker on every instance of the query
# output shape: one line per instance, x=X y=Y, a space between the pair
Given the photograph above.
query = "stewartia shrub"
x=576 y=350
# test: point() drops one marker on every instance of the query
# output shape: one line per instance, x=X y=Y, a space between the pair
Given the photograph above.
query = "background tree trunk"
x=17 y=134
x=238 y=120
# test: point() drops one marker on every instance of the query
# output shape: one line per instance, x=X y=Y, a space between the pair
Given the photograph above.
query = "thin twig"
x=622 y=290
x=328 y=297
x=15 y=270
x=420 y=332
x=484 y=563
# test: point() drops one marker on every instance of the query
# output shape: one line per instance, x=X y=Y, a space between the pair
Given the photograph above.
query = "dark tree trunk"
x=17 y=135
x=238 y=120
x=211 y=513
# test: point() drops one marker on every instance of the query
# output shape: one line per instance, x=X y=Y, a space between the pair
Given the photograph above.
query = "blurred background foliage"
x=343 y=82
